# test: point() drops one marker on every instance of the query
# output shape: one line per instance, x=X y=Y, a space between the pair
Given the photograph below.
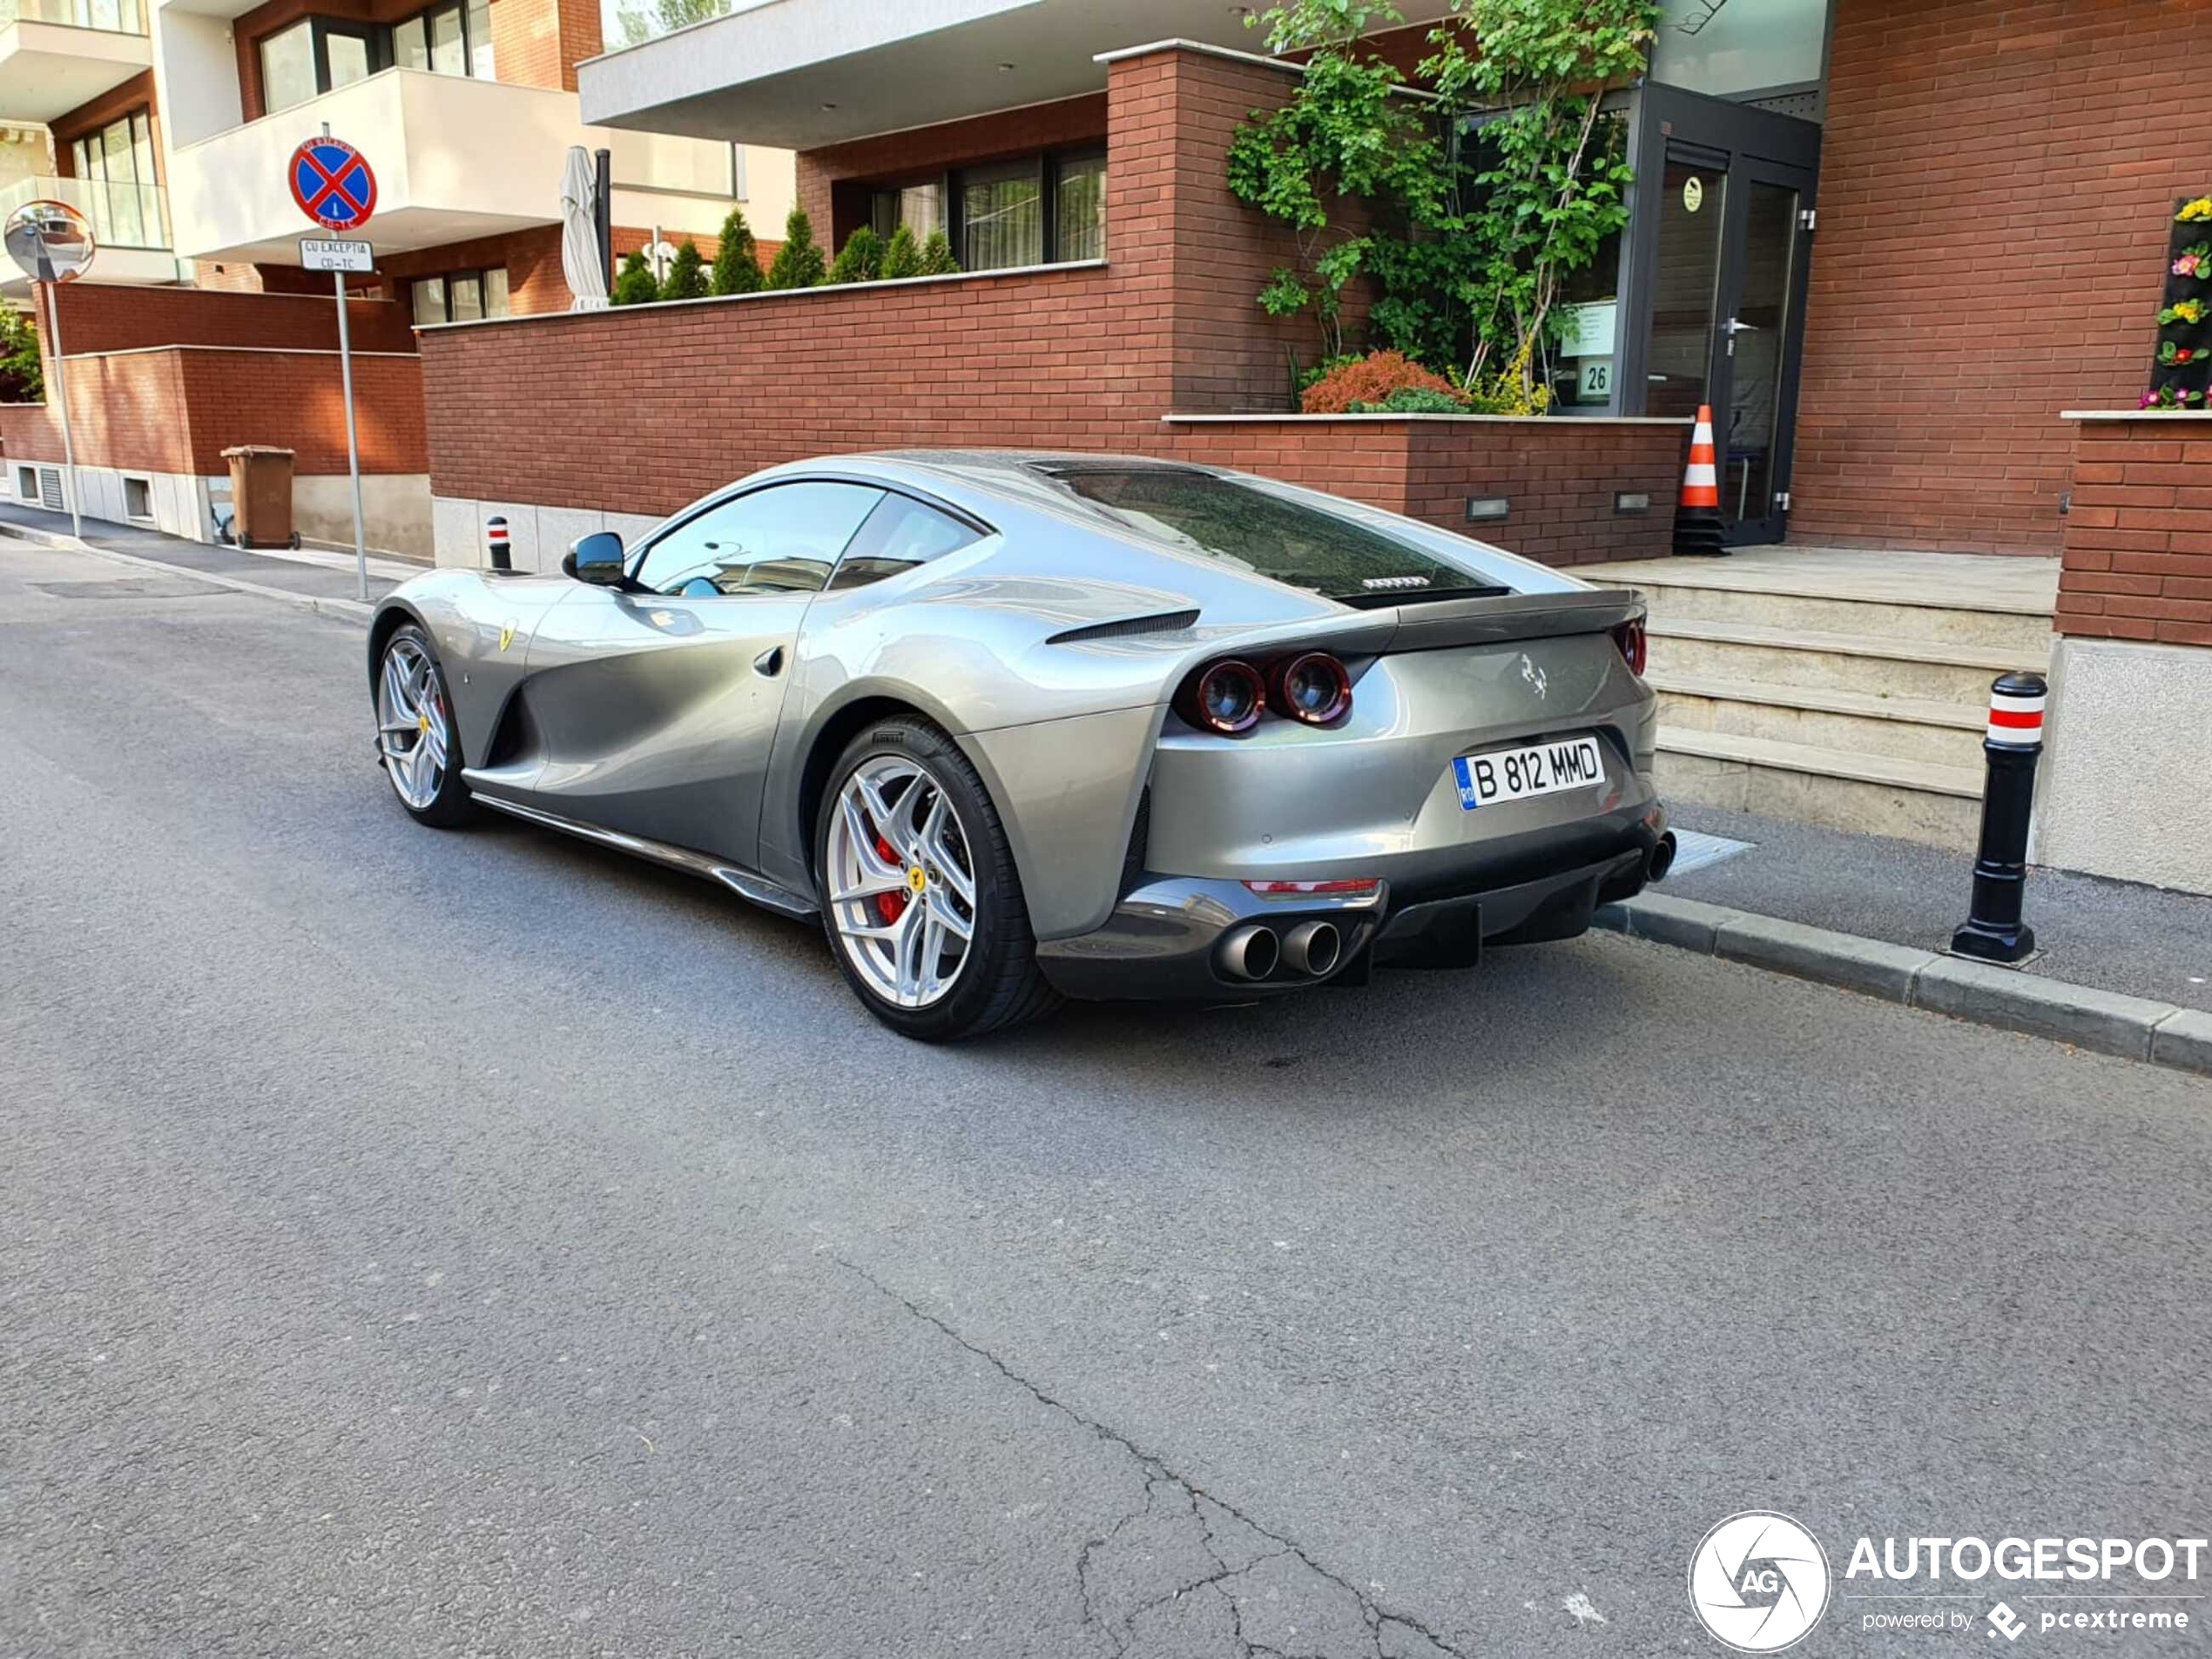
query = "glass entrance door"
x=1718 y=257
x=1755 y=344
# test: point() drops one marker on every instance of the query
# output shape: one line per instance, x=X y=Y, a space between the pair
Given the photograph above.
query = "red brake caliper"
x=889 y=906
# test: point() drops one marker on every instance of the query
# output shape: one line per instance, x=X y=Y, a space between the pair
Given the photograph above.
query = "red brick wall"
x=1560 y=476
x=109 y=316
x=1996 y=183
x=539 y=43
x=923 y=153
x=2137 y=560
x=644 y=410
x=177 y=409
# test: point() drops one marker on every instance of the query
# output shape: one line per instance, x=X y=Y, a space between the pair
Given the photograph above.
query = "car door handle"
x=770 y=663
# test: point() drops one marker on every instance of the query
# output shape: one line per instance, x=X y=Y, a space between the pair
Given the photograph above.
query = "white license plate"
x=1519 y=774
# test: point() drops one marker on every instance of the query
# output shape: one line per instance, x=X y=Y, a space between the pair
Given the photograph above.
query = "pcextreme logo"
x=1758 y=1581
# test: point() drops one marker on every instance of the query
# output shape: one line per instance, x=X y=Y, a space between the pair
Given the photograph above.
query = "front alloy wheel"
x=414 y=730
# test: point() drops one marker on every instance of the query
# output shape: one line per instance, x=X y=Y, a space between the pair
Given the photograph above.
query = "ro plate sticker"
x=1465 y=778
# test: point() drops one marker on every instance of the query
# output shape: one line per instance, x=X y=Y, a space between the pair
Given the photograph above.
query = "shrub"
x=798 y=261
x=23 y=379
x=1372 y=380
x=635 y=285
x=687 y=278
x=737 y=262
x=1412 y=400
x=937 y=256
x=902 y=254
x=861 y=258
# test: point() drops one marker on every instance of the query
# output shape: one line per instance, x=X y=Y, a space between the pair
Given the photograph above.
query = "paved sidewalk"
x=310 y=572
x=2109 y=935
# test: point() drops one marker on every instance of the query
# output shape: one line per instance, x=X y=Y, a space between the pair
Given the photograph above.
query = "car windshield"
x=1272 y=535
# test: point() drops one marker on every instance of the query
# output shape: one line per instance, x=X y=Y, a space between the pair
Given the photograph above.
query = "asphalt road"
x=473 y=1242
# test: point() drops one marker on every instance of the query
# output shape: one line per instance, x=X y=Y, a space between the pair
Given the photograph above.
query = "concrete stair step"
x=1994 y=626
x=1917 y=801
x=1929 y=671
x=1904 y=728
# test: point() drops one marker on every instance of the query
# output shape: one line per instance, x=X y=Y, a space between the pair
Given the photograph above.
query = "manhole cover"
x=129 y=587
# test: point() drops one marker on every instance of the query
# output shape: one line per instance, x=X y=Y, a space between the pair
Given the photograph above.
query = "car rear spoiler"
x=1512 y=616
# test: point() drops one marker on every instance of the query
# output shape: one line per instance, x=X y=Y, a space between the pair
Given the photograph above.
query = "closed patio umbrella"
x=580 y=265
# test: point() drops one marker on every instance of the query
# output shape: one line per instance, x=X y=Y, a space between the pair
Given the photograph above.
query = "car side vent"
x=1166 y=622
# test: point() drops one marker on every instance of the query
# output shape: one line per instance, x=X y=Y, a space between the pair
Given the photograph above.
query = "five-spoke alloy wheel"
x=919 y=896
x=414 y=730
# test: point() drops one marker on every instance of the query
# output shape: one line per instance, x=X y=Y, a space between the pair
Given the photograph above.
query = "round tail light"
x=1633 y=651
x=1224 y=697
x=1313 y=687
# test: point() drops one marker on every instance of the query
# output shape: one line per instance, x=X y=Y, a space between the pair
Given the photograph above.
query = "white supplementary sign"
x=319 y=255
x=1590 y=329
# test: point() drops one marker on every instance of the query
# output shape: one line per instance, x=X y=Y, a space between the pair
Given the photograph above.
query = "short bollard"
x=496 y=540
x=1994 y=932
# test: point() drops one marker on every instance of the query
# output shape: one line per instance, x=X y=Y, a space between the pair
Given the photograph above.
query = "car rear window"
x=1325 y=553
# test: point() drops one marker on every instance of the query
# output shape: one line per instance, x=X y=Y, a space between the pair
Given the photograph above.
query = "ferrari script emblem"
x=507 y=636
x=1534 y=675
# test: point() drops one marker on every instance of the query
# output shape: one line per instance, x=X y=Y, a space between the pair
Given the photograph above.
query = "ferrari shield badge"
x=506 y=636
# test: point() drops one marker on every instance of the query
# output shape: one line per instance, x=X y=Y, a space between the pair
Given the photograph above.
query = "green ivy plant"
x=1469 y=199
x=22 y=377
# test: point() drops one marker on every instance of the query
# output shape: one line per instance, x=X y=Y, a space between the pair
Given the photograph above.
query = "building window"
x=1002 y=211
x=1039 y=209
x=1079 y=207
x=138 y=499
x=920 y=208
x=319 y=54
x=124 y=200
x=463 y=296
x=27 y=482
x=289 y=66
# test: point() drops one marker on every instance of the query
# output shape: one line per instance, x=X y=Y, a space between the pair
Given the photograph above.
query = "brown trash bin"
x=261 y=495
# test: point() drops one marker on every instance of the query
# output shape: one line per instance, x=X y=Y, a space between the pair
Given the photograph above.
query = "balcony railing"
x=117 y=17
x=123 y=216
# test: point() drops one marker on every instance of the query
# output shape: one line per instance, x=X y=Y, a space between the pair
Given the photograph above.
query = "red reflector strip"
x=1360 y=884
x=2015 y=716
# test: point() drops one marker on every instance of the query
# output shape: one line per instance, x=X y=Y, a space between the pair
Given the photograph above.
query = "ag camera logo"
x=1758 y=1581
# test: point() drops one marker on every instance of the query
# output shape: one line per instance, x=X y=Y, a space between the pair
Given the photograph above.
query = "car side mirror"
x=595 y=559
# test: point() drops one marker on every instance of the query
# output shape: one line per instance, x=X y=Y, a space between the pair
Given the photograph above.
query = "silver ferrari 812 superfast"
x=1022 y=727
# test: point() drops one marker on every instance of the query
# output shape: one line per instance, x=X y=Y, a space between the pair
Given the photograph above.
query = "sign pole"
x=61 y=400
x=353 y=444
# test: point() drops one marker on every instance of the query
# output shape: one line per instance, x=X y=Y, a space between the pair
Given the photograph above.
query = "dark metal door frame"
x=1748 y=144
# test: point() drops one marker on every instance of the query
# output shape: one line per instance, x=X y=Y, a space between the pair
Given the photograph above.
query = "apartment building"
x=169 y=123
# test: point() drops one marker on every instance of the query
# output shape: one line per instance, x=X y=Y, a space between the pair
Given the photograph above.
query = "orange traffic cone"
x=1698 y=530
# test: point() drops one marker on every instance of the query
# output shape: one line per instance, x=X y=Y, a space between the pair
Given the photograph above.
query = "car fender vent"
x=1164 y=621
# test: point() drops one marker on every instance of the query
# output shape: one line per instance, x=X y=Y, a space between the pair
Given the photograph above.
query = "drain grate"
x=130 y=587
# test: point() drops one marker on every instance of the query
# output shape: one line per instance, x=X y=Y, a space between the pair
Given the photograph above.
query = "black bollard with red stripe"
x=1993 y=930
x=496 y=544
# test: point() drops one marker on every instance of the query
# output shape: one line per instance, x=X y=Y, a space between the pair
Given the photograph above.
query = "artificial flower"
x=2193 y=212
x=2188 y=264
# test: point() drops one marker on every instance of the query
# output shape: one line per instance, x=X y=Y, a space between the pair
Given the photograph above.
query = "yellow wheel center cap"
x=422 y=724
x=917 y=878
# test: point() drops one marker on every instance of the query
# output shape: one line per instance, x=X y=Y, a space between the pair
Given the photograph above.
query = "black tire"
x=1000 y=985
x=452 y=805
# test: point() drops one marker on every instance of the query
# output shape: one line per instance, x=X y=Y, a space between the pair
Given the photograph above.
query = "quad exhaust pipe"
x=1251 y=952
x=1310 y=950
x=1312 y=947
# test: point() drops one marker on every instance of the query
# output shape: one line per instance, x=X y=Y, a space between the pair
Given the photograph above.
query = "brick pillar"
x=2122 y=792
x=539 y=43
x=1172 y=114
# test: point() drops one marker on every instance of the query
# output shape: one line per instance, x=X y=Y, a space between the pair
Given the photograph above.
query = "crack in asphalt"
x=1159 y=1472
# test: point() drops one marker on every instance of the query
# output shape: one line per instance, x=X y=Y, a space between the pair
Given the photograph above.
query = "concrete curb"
x=2132 y=1027
x=342 y=609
